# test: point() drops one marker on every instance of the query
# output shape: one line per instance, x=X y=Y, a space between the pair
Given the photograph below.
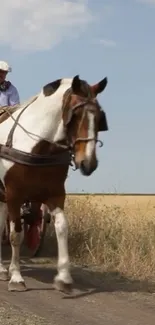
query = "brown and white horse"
x=65 y=116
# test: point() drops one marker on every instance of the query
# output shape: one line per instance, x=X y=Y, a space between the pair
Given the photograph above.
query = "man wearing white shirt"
x=9 y=95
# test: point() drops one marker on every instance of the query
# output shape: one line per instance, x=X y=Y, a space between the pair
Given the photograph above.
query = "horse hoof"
x=62 y=286
x=4 y=276
x=17 y=286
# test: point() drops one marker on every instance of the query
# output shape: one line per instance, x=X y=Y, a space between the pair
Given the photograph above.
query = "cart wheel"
x=6 y=233
x=34 y=235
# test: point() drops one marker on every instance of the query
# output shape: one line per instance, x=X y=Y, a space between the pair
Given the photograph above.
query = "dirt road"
x=97 y=299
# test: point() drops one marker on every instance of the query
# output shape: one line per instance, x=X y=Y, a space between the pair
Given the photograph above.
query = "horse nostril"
x=86 y=168
x=83 y=168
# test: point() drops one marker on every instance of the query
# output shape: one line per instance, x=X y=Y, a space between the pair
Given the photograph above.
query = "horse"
x=37 y=145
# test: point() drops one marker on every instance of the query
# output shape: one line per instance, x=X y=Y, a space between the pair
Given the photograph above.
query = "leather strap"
x=29 y=159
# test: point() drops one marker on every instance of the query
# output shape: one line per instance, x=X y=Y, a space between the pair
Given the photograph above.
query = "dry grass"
x=117 y=233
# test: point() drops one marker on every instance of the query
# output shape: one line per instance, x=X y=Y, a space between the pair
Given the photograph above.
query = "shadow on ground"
x=89 y=282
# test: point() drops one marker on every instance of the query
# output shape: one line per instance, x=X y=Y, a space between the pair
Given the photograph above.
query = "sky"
x=51 y=39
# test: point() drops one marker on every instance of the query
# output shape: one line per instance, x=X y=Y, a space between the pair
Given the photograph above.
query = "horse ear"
x=100 y=86
x=76 y=84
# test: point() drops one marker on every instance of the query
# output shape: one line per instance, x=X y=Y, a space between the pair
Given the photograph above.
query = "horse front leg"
x=16 y=282
x=3 y=217
x=63 y=280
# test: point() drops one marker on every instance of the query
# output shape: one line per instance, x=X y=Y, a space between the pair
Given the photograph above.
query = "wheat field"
x=130 y=203
x=115 y=232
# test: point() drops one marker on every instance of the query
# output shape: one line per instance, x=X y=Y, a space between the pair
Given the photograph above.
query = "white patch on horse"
x=61 y=228
x=14 y=268
x=4 y=166
x=43 y=117
x=16 y=277
x=91 y=134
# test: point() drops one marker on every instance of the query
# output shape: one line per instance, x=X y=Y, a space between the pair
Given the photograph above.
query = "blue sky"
x=113 y=38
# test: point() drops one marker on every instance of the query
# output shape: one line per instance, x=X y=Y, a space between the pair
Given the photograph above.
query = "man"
x=9 y=95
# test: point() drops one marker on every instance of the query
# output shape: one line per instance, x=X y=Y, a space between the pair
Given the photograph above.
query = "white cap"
x=4 y=66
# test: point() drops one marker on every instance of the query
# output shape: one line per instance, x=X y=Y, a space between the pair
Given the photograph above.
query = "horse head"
x=83 y=118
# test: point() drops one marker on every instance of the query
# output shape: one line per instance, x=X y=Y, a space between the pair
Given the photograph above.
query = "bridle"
x=92 y=104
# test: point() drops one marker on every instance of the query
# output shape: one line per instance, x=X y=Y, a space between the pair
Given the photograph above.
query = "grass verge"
x=111 y=237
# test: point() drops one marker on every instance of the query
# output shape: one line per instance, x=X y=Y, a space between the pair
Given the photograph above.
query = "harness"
x=66 y=155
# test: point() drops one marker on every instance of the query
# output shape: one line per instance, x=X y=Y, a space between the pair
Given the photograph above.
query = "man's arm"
x=14 y=96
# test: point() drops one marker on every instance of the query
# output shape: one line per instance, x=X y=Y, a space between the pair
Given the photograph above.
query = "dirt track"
x=97 y=299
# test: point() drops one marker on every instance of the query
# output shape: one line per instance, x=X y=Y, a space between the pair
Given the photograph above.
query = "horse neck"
x=42 y=118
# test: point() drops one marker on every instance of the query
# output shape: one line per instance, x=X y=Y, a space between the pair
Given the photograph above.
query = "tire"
x=6 y=233
x=37 y=250
x=41 y=232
